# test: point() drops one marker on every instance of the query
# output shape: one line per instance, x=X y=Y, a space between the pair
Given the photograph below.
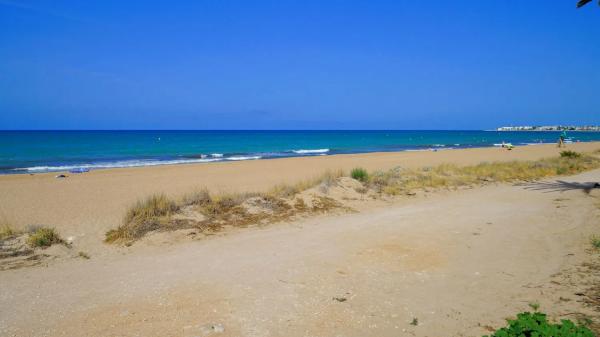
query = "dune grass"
x=326 y=179
x=43 y=237
x=198 y=197
x=7 y=231
x=595 y=241
x=155 y=212
x=570 y=154
x=359 y=174
x=398 y=181
x=144 y=216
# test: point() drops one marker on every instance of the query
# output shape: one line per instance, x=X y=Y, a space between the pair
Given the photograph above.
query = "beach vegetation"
x=359 y=174
x=84 y=255
x=43 y=237
x=570 y=154
x=207 y=211
x=536 y=324
x=449 y=176
x=595 y=241
x=199 y=197
x=7 y=231
x=144 y=216
x=325 y=180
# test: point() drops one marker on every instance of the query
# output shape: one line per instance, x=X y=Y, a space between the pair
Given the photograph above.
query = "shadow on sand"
x=559 y=186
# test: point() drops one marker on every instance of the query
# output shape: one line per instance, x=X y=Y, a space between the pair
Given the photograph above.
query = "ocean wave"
x=116 y=164
x=243 y=158
x=302 y=151
x=216 y=155
x=540 y=143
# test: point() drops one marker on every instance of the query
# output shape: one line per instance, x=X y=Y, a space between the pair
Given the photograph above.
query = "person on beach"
x=561 y=139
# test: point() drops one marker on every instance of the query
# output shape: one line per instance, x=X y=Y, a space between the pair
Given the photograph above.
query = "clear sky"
x=297 y=64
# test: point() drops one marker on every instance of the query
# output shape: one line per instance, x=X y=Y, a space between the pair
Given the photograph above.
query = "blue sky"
x=297 y=64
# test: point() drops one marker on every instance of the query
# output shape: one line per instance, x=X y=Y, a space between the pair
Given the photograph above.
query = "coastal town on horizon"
x=593 y=128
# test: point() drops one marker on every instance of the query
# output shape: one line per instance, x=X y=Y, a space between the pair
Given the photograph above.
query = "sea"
x=49 y=151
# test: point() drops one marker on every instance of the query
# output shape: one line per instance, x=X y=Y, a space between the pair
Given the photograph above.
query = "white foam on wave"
x=302 y=151
x=536 y=143
x=116 y=164
x=217 y=155
x=243 y=158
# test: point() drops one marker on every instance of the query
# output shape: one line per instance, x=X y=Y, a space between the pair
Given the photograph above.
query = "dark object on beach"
x=61 y=176
x=340 y=299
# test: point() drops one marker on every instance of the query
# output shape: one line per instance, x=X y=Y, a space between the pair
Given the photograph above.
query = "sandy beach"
x=457 y=262
x=94 y=202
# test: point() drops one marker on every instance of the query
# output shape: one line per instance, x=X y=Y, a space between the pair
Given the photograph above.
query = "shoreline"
x=60 y=152
x=218 y=158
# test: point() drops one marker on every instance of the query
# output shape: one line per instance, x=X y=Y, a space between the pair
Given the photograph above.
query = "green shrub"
x=536 y=324
x=570 y=154
x=43 y=237
x=595 y=241
x=359 y=174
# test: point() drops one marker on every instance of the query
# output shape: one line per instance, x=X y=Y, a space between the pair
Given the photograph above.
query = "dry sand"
x=456 y=261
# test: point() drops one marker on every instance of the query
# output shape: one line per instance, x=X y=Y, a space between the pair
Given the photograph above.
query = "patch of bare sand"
x=457 y=262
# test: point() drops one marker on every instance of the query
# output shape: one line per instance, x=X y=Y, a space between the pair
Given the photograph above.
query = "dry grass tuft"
x=44 y=237
x=7 y=231
x=145 y=216
x=155 y=212
x=399 y=181
x=197 y=198
x=324 y=180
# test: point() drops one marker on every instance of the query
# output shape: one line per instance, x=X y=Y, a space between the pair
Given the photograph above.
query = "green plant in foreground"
x=535 y=324
x=595 y=241
x=359 y=174
x=570 y=154
x=44 y=237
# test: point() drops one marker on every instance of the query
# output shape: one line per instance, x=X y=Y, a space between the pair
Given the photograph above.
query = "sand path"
x=456 y=261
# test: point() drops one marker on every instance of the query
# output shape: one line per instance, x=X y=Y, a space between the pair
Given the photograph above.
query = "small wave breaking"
x=312 y=151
